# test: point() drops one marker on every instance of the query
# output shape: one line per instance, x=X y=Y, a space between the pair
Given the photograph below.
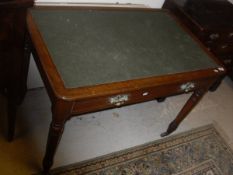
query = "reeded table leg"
x=54 y=137
x=189 y=105
x=61 y=111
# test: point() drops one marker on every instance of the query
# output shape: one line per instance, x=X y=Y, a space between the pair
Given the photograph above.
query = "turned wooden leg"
x=192 y=101
x=54 y=137
x=61 y=113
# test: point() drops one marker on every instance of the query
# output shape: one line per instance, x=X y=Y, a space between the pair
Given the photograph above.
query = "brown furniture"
x=13 y=58
x=92 y=59
x=211 y=22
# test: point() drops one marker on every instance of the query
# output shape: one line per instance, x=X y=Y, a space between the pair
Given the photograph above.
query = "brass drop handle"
x=119 y=100
x=187 y=86
x=230 y=35
x=214 y=36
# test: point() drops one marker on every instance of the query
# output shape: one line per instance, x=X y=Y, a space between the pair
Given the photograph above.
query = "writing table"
x=92 y=59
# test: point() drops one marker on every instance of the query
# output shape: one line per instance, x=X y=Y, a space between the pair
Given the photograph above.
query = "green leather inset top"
x=92 y=47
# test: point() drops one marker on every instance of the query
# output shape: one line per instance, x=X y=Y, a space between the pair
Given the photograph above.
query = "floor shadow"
x=22 y=128
x=229 y=82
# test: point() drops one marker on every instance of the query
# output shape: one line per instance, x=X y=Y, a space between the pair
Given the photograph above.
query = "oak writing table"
x=92 y=59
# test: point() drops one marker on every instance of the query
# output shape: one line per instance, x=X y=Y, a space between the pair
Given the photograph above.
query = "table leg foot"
x=189 y=105
x=215 y=86
x=171 y=128
x=47 y=164
x=45 y=173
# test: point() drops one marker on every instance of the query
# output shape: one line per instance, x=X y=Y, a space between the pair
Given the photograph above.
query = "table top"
x=91 y=47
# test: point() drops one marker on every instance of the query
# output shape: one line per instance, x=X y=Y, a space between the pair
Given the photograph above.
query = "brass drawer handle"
x=119 y=99
x=224 y=46
x=187 y=86
x=230 y=35
x=214 y=36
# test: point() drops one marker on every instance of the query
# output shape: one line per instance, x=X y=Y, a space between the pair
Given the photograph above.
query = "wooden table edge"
x=56 y=85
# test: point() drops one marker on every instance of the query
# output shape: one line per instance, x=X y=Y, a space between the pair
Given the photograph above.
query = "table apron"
x=142 y=95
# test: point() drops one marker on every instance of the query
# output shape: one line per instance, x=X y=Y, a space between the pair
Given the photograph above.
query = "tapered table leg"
x=54 y=137
x=217 y=83
x=61 y=112
x=17 y=86
x=189 y=105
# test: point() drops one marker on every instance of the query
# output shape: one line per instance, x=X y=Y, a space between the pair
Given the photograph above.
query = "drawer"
x=227 y=60
x=220 y=48
x=223 y=48
x=118 y=100
x=220 y=36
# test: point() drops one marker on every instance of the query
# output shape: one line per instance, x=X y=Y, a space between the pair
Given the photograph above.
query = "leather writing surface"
x=95 y=47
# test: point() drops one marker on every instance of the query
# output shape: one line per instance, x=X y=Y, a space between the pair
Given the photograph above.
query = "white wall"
x=34 y=79
x=150 y=3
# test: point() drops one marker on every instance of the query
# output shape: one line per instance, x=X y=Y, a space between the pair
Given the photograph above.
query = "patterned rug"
x=201 y=151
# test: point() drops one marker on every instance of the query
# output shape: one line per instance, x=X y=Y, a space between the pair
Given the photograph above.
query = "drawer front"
x=221 y=36
x=220 y=47
x=223 y=48
x=227 y=60
x=127 y=98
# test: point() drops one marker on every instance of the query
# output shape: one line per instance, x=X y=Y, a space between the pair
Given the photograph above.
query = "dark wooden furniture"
x=13 y=58
x=92 y=59
x=212 y=22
